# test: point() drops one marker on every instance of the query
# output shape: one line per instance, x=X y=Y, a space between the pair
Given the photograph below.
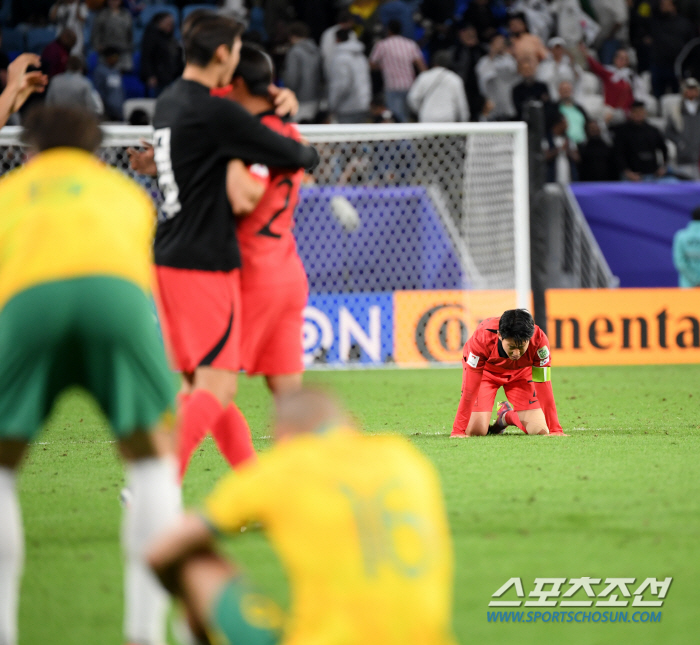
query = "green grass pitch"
x=620 y=497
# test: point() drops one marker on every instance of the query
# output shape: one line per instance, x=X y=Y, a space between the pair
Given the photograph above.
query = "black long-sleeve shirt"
x=195 y=137
x=636 y=147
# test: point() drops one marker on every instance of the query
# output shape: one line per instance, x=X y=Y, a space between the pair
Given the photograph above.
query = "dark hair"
x=517 y=325
x=394 y=27
x=155 y=20
x=203 y=35
x=256 y=69
x=638 y=104
x=111 y=50
x=139 y=117
x=345 y=15
x=299 y=29
x=194 y=17
x=60 y=126
x=554 y=117
x=519 y=16
x=74 y=64
x=342 y=35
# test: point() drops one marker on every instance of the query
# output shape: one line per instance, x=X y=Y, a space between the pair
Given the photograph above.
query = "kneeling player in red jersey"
x=274 y=287
x=512 y=352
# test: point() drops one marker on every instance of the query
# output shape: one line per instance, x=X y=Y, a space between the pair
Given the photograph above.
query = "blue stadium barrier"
x=400 y=243
x=13 y=40
x=634 y=225
x=39 y=37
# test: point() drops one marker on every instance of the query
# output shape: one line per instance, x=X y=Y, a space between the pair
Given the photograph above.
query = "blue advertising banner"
x=634 y=225
x=349 y=328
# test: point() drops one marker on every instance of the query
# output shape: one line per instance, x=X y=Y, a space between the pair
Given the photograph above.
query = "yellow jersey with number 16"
x=360 y=527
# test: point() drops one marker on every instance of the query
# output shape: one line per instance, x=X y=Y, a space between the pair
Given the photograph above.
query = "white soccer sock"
x=155 y=504
x=11 y=556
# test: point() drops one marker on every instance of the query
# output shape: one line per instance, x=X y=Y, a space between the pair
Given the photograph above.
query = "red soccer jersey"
x=268 y=248
x=483 y=351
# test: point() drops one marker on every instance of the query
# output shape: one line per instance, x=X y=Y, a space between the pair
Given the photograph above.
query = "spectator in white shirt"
x=397 y=57
x=558 y=68
x=328 y=40
x=349 y=85
x=498 y=74
x=437 y=95
x=70 y=14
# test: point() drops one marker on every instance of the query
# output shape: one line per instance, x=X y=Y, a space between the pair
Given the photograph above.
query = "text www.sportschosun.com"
x=573 y=617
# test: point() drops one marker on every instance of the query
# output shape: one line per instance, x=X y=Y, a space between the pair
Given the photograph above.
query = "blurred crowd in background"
x=616 y=78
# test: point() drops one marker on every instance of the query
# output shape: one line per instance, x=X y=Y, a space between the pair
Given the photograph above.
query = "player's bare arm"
x=21 y=84
x=243 y=189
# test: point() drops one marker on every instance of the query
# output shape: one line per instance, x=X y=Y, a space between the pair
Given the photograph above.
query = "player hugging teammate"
x=198 y=139
x=513 y=352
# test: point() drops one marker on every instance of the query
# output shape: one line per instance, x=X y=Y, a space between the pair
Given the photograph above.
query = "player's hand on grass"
x=286 y=103
x=143 y=161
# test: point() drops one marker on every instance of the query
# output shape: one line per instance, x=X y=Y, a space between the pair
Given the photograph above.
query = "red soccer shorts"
x=273 y=316
x=518 y=385
x=200 y=314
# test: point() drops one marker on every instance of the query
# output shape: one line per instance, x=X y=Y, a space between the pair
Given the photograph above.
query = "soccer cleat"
x=503 y=408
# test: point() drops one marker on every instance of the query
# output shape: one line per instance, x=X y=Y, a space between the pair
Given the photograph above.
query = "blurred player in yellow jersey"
x=358 y=522
x=75 y=271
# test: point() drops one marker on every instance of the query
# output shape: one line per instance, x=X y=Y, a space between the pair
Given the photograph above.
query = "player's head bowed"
x=517 y=325
x=255 y=69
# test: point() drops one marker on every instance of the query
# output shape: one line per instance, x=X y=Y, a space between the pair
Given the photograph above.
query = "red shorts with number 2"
x=518 y=385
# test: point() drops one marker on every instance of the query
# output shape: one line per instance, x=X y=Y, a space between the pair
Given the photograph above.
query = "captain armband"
x=541 y=374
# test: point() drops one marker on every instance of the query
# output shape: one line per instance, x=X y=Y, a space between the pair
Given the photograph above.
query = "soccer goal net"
x=410 y=235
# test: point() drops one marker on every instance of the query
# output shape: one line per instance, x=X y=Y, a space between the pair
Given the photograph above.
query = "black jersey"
x=195 y=137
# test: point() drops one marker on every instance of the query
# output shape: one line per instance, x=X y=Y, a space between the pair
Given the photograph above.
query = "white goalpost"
x=410 y=234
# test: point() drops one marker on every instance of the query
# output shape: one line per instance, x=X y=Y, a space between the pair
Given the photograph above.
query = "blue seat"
x=13 y=40
x=133 y=87
x=186 y=11
x=92 y=59
x=39 y=37
x=151 y=10
x=136 y=69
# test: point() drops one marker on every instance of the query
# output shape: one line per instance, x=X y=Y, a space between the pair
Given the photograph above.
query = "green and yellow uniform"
x=75 y=272
x=360 y=527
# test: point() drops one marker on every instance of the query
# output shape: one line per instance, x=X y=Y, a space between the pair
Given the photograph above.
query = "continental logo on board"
x=432 y=326
x=623 y=326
